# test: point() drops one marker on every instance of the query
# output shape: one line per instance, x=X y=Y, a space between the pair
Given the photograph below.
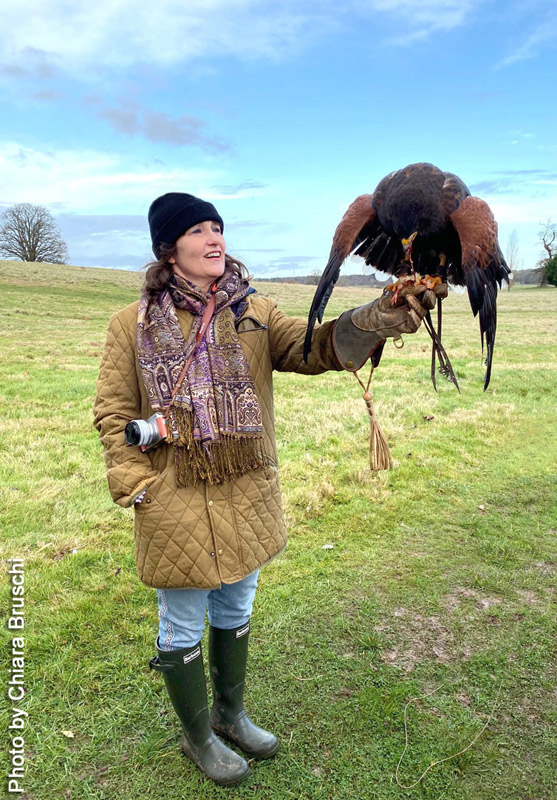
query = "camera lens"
x=146 y=432
x=132 y=433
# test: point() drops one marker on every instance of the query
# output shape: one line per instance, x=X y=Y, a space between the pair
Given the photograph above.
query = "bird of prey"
x=418 y=222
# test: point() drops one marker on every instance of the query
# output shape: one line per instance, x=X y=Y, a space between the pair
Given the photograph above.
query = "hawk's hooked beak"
x=407 y=243
x=407 y=248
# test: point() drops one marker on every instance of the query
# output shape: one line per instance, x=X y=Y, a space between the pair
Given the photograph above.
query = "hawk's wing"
x=346 y=238
x=483 y=266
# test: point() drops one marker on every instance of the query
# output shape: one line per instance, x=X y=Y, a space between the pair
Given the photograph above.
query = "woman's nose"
x=215 y=238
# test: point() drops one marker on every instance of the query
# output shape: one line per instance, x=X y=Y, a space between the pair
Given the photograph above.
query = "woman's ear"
x=171 y=260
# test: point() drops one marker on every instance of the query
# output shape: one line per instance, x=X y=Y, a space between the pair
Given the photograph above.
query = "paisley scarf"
x=214 y=421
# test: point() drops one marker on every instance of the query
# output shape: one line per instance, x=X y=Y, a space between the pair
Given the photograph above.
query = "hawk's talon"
x=430 y=282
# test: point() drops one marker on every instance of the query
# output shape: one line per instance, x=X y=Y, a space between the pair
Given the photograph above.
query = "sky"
x=280 y=113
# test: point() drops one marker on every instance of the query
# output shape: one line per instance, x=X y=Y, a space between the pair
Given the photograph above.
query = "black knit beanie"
x=172 y=214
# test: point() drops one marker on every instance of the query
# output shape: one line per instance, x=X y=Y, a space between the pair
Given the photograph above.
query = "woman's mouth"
x=214 y=254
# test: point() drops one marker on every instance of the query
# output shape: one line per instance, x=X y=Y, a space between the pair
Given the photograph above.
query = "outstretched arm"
x=348 y=342
x=286 y=337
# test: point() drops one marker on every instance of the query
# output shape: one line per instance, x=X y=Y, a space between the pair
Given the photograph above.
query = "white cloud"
x=420 y=19
x=124 y=32
x=246 y=188
x=85 y=37
x=91 y=181
x=522 y=135
x=514 y=211
x=544 y=33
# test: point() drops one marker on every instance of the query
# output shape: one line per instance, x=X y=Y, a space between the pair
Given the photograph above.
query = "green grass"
x=442 y=571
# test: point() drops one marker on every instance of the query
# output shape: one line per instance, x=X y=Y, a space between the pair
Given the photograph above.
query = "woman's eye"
x=217 y=229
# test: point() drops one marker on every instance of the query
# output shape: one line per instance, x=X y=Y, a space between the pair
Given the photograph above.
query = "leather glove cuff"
x=353 y=346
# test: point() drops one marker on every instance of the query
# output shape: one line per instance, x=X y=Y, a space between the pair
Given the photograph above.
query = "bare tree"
x=512 y=255
x=512 y=250
x=547 y=237
x=313 y=278
x=29 y=233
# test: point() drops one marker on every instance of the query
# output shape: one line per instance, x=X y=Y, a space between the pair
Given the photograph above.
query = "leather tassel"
x=379 y=453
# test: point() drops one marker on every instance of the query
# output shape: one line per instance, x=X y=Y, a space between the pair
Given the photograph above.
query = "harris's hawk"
x=418 y=222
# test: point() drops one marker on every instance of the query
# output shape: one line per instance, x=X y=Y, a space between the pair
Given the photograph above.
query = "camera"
x=146 y=433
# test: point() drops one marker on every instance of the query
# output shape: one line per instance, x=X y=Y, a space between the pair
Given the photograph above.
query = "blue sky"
x=280 y=113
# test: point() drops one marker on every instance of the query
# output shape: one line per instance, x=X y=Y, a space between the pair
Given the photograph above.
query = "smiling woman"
x=191 y=365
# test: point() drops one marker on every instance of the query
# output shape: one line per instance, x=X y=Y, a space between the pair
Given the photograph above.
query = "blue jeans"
x=182 y=611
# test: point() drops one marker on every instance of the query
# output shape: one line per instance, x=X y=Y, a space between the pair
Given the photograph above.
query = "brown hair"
x=159 y=272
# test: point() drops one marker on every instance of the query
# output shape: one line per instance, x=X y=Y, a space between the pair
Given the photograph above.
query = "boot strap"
x=158 y=666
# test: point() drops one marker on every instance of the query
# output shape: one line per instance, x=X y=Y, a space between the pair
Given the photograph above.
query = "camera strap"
x=205 y=320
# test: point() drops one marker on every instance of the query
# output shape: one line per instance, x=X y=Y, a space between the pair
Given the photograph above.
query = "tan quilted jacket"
x=200 y=537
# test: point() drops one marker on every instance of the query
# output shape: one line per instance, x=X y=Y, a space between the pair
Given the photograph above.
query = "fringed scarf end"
x=215 y=462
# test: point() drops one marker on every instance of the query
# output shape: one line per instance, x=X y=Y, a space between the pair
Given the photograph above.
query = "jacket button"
x=220 y=552
x=349 y=364
x=212 y=553
x=148 y=500
x=210 y=503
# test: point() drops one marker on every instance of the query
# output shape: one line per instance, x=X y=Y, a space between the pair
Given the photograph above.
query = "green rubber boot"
x=184 y=679
x=228 y=655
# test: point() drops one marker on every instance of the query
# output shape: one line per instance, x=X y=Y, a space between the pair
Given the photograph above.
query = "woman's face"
x=200 y=255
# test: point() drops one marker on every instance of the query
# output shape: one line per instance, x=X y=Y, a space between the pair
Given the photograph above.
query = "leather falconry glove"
x=359 y=332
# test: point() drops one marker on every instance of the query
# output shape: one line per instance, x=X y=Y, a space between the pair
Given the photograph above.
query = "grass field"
x=442 y=571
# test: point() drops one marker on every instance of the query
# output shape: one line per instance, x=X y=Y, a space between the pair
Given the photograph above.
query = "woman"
x=199 y=348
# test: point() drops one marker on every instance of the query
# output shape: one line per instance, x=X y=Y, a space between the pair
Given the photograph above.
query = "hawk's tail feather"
x=482 y=292
x=322 y=295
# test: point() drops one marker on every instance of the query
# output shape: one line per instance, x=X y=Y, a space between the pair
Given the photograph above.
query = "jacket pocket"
x=269 y=461
x=152 y=490
x=247 y=324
